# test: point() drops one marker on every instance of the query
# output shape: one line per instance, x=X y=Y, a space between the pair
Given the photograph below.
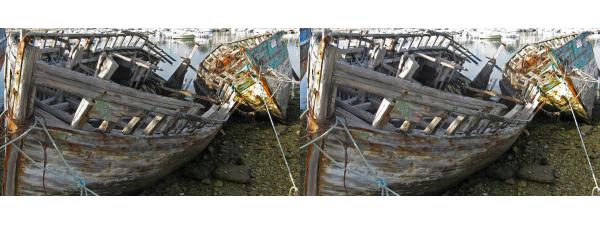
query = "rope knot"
x=381 y=182
x=80 y=182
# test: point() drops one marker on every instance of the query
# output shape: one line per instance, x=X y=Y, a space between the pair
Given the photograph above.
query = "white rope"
x=596 y=188
x=294 y=189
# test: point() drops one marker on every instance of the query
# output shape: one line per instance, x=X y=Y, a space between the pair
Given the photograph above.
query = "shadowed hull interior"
x=109 y=164
x=411 y=164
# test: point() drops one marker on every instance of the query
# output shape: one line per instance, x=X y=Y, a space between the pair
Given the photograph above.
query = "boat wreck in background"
x=86 y=113
x=258 y=69
x=392 y=113
x=563 y=68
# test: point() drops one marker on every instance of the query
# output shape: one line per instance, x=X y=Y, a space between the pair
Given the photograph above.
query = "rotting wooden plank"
x=382 y=83
x=49 y=100
x=83 y=85
x=484 y=123
x=407 y=67
x=106 y=126
x=155 y=123
x=364 y=105
x=84 y=90
x=181 y=124
x=168 y=125
x=405 y=127
x=516 y=109
x=109 y=66
x=378 y=56
x=75 y=56
x=455 y=125
x=362 y=114
x=62 y=115
x=382 y=117
x=471 y=122
x=133 y=124
x=433 y=125
x=62 y=106
x=394 y=92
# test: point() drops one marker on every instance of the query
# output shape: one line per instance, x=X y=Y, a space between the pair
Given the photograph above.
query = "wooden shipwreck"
x=86 y=113
x=392 y=113
x=258 y=69
x=563 y=68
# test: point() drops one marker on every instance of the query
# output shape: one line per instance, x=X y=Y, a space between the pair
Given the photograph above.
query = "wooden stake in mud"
x=19 y=94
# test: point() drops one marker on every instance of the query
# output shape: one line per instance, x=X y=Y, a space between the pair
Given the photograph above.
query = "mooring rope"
x=596 y=188
x=17 y=138
x=380 y=181
x=80 y=182
x=294 y=189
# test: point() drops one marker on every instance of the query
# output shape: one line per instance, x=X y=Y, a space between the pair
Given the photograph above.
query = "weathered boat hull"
x=562 y=69
x=411 y=165
x=375 y=129
x=259 y=69
x=74 y=130
x=108 y=164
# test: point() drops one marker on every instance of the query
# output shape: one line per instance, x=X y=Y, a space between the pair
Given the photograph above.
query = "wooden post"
x=433 y=125
x=133 y=124
x=149 y=130
x=320 y=82
x=20 y=104
x=407 y=67
x=382 y=117
x=378 y=55
x=455 y=125
x=324 y=90
x=76 y=54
